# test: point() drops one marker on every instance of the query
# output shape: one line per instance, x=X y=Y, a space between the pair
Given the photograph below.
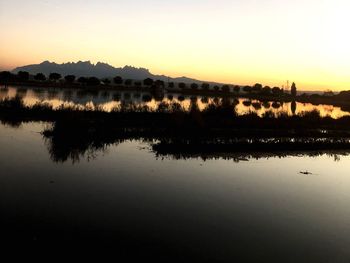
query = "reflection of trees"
x=127 y=96
x=137 y=95
x=116 y=96
x=256 y=105
x=204 y=100
x=4 y=91
x=247 y=103
x=194 y=104
x=146 y=98
x=21 y=92
x=68 y=95
x=39 y=93
x=181 y=98
x=266 y=105
x=276 y=105
x=52 y=93
x=216 y=101
x=85 y=93
x=105 y=95
x=293 y=107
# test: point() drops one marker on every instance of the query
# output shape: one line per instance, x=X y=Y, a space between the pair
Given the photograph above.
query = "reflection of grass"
x=216 y=128
x=216 y=115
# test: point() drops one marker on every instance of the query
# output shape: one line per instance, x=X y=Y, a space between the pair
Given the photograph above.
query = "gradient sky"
x=233 y=41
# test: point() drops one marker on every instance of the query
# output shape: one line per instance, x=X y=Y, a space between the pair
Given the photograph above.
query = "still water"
x=259 y=209
x=108 y=100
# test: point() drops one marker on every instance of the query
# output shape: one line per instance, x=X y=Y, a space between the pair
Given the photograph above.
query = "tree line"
x=23 y=76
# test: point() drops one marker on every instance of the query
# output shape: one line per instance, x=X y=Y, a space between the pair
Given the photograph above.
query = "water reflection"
x=293 y=107
x=214 y=211
x=108 y=100
x=82 y=143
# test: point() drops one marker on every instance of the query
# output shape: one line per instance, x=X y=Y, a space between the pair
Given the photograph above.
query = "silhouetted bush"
x=118 y=80
x=70 y=78
x=55 y=76
x=23 y=75
x=148 y=82
x=93 y=81
x=205 y=86
x=40 y=77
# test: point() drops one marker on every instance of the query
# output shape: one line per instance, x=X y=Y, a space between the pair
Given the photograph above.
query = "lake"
x=109 y=100
x=258 y=208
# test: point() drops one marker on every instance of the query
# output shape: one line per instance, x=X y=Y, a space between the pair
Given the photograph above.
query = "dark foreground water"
x=259 y=210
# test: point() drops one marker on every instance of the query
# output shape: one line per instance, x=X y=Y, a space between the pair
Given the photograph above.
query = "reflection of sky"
x=266 y=200
x=110 y=100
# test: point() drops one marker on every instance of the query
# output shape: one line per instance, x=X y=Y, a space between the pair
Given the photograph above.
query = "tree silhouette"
x=276 y=91
x=6 y=76
x=128 y=82
x=40 y=77
x=247 y=89
x=328 y=93
x=293 y=90
x=226 y=88
x=55 y=76
x=93 y=81
x=148 y=82
x=205 y=86
x=266 y=90
x=257 y=87
x=216 y=88
x=23 y=75
x=159 y=83
x=69 y=78
x=106 y=81
x=237 y=89
x=118 y=80
x=194 y=86
x=171 y=85
x=82 y=80
x=182 y=85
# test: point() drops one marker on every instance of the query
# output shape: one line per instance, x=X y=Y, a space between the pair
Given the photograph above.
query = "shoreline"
x=335 y=100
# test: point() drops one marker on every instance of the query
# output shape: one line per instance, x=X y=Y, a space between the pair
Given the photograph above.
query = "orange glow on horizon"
x=236 y=42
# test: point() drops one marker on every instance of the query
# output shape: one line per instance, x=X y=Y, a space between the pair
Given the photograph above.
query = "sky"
x=229 y=41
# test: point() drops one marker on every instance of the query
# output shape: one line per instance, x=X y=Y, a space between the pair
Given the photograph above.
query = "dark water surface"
x=260 y=210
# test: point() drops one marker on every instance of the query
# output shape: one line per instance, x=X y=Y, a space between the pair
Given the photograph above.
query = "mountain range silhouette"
x=100 y=70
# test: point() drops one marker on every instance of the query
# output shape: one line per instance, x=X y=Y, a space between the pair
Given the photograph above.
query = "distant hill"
x=100 y=70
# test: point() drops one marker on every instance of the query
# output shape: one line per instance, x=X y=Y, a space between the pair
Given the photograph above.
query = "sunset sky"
x=232 y=41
